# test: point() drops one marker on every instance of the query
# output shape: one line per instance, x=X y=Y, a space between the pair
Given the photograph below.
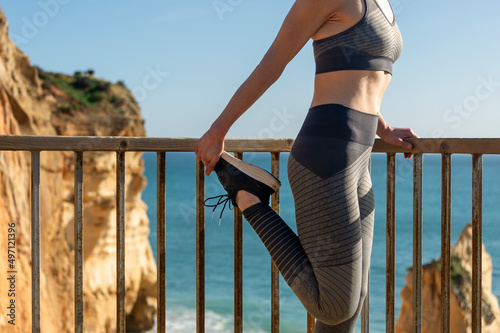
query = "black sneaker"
x=236 y=175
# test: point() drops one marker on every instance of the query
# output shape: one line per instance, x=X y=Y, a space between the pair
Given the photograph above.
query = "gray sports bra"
x=373 y=43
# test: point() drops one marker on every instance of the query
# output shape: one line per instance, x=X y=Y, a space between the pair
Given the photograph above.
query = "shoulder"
x=320 y=9
x=324 y=9
x=321 y=5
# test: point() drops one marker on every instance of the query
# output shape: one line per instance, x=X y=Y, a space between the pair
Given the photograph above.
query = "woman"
x=355 y=44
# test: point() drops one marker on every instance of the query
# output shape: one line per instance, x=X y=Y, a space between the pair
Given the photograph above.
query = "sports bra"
x=373 y=43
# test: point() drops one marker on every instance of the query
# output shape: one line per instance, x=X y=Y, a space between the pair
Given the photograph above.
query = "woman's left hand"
x=395 y=136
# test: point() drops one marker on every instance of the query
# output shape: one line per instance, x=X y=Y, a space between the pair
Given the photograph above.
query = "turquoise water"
x=181 y=236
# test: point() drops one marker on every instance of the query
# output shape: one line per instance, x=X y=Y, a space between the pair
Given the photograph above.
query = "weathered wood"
x=477 y=241
x=120 y=143
x=275 y=274
x=390 y=242
x=78 y=241
x=311 y=322
x=35 y=242
x=238 y=267
x=161 y=246
x=417 y=243
x=445 y=241
x=365 y=311
x=121 y=326
x=200 y=247
x=149 y=144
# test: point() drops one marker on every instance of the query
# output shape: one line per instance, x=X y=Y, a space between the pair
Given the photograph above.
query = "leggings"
x=326 y=264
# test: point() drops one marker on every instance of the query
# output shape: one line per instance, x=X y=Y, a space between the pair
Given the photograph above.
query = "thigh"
x=327 y=212
x=366 y=200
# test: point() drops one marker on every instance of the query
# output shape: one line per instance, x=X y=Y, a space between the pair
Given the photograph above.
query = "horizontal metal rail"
x=143 y=144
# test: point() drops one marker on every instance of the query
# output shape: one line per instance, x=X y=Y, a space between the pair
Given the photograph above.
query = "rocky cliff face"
x=37 y=103
x=461 y=293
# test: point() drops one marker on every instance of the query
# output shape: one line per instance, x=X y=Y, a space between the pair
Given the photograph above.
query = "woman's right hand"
x=396 y=136
x=209 y=148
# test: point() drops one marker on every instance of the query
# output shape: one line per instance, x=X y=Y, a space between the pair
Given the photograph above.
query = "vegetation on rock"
x=84 y=92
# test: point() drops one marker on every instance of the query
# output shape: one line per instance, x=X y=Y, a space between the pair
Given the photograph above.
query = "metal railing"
x=120 y=145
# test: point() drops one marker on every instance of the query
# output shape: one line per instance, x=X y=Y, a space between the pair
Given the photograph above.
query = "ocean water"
x=181 y=239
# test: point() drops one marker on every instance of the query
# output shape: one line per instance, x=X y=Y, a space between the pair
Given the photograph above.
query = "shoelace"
x=222 y=199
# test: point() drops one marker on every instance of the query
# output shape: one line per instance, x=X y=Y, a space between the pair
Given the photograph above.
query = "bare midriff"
x=361 y=90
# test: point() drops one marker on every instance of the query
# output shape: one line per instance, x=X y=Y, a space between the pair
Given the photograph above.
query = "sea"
x=181 y=239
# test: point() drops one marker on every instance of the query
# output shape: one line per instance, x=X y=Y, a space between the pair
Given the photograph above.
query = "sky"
x=183 y=60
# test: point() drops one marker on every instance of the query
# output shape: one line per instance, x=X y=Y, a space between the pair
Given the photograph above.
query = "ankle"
x=245 y=199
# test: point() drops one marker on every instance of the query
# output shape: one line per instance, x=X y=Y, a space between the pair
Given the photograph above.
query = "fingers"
x=211 y=165
x=408 y=133
x=405 y=144
x=208 y=163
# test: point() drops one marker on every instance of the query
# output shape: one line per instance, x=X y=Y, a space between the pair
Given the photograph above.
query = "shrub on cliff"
x=95 y=97
x=64 y=109
x=102 y=86
x=82 y=82
x=117 y=101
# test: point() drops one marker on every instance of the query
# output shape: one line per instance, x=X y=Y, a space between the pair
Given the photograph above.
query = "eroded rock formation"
x=461 y=293
x=31 y=104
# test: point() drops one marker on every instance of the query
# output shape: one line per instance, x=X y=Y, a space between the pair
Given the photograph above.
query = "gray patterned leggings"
x=326 y=264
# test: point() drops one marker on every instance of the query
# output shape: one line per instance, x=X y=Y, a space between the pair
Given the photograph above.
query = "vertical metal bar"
x=417 y=242
x=275 y=274
x=477 y=235
x=365 y=311
x=445 y=241
x=238 y=267
x=161 y=243
x=311 y=322
x=200 y=247
x=78 y=241
x=120 y=242
x=390 y=242
x=35 y=241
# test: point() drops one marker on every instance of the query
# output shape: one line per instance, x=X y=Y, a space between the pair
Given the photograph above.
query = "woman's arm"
x=395 y=135
x=303 y=20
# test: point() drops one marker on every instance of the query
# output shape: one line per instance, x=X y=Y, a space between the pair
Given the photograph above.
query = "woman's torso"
x=358 y=89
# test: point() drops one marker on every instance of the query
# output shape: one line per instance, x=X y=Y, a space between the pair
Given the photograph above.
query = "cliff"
x=38 y=103
x=460 y=296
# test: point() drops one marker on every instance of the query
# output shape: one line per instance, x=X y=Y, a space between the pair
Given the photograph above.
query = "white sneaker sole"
x=253 y=171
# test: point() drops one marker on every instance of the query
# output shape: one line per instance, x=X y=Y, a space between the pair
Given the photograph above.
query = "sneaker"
x=236 y=175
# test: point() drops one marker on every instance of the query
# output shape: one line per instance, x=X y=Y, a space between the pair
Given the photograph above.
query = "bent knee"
x=339 y=314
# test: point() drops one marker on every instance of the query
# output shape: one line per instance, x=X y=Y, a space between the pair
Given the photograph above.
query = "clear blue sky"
x=200 y=51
